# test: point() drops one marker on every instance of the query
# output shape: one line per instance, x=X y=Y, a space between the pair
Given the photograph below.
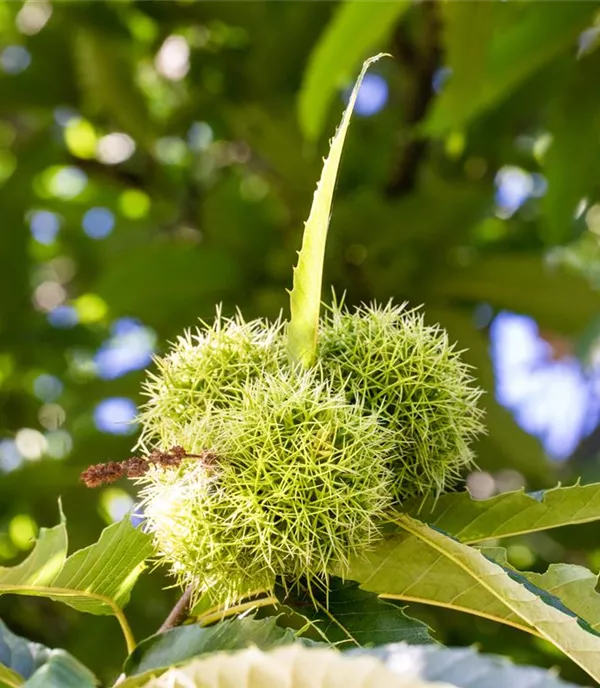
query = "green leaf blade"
x=511 y=513
x=23 y=662
x=523 y=42
x=108 y=568
x=44 y=561
x=356 y=29
x=532 y=606
x=62 y=671
x=574 y=124
x=348 y=617
x=305 y=297
x=96 y=580
x=177 y=645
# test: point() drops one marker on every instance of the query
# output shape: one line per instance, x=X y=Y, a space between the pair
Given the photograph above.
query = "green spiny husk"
x=307 y=462
x=413 y=379
x=298 y=485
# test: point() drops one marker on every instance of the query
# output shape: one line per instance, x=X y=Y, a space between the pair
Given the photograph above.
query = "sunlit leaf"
x=44 y=562
x=97 y=579
x=511 y=513
x=533 y=607
x=288 y=666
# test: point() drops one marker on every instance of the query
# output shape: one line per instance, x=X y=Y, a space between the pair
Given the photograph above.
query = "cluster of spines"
x=409 y=374
x=308 y=462
x=300 y=486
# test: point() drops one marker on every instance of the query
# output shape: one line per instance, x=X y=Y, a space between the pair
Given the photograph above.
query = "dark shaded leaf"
x=557 y=299
x=177 y=645
x=523 y=41
x=571 y=163
x=348 y=615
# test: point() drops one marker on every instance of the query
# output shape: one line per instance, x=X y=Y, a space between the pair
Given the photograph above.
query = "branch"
x=420 y=58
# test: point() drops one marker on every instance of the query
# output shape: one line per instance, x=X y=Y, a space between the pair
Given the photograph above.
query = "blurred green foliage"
x=197 y=129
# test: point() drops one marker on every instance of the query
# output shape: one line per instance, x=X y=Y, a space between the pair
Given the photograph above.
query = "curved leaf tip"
x=305 y=297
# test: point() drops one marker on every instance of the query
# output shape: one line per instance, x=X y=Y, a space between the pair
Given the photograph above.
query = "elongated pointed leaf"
x=305 y=297
x=348 y=616
x=534 y=607
x=95 y=579
x=108 y=568
x=467 y=28
x=574 y=125
x=524 y=41
x=402 y=567
x=512 y=513
x=356 y=29
x=574 y=586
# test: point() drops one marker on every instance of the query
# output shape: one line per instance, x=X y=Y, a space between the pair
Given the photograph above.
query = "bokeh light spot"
x=10 y=457
x=372 y=96
x=130 y=348
x=31 y=443
x=115 y=504
x=47 y=387
x=51 y=416
x=513 y=187
x=80 y=138
x=63 y=317
x=15 y=59
x=173 y=59
x=60 y=444
x=22 y=530
x=44 y=226
x=171 y=150
x=114 y=416
x=49 y=295
x=33 y=16
x=64 y=182
x=90 y=308
x=98 y=223
x=115 y=148
x=134 y=204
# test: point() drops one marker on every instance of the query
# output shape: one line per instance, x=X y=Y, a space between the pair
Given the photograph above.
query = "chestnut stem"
x=179 y=612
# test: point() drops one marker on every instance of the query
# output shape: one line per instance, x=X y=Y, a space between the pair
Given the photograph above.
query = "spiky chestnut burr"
x=301 y=483
x=408 y=374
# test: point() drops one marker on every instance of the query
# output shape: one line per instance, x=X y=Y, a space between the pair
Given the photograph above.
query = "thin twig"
x=179 y=612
